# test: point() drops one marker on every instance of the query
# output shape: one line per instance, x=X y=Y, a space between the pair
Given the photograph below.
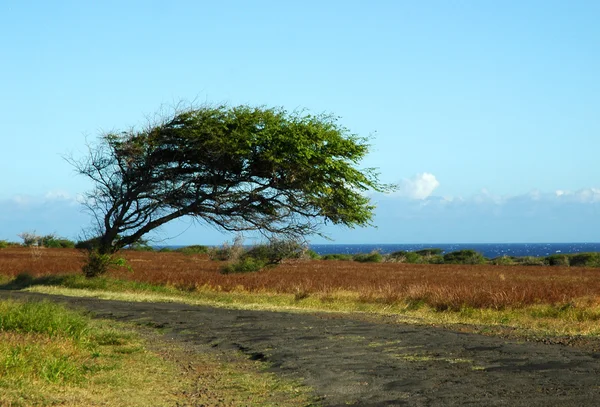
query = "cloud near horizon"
x=412 y=215
x=419 y=186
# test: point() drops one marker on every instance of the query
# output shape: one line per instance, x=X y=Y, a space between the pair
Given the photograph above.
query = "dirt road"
x=355 y=362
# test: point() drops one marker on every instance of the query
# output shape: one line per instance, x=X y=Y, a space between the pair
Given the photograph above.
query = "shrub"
x=98 y=264
x=503 y=261
x=3 y=244
x=312 y=255
x=584 y=260
x=530 y=261
x=88 y=244
x=141 y=246
x=228 y=251
x=429 y=252
x=29 y=238
x=373 y=257
x=413 y=257
x=436 y=259
x=245 y=265
x=466 y=256
x=276 y=251
x=398 y=254
x=193 y=249
x=337 y=256
x=558 y=260
x=54 y=241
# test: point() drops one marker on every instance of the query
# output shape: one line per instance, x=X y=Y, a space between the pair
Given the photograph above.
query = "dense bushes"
x=242 y=260
x=194 y=249
x=373 y=257
x=466 y=256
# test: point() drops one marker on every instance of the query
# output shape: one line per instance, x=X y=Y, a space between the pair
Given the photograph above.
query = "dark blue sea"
x=489 y=250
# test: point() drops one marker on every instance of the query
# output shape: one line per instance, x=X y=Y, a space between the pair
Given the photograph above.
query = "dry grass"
x=439 y=286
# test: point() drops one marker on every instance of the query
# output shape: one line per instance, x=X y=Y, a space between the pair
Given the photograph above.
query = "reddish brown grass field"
x=442 y=286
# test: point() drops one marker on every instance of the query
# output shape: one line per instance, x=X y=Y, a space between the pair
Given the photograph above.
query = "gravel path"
x=354 y=362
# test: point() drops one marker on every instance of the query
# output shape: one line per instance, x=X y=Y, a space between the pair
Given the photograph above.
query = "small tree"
x=238 y=169
x=30 y=238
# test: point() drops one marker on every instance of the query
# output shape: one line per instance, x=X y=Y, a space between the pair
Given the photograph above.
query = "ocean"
x=489 y=250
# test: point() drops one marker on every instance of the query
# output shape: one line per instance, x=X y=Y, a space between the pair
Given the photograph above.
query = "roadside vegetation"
x=558 y=300
x=50 y=355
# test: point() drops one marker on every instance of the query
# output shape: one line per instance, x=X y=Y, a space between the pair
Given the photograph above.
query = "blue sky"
x=484 y=113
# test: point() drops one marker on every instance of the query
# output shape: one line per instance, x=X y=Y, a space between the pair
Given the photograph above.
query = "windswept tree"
x=236 y=168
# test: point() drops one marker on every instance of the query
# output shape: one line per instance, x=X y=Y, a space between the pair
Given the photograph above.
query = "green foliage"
x=429 y=252
x=436 y=259
x=276 y=250
x=220 y=253
x=558 y=260
x=88 y=244
x=53 y=241
x=3 y=244
x=373 y=257
x=530 y=261
x=584 y=260
x=337 y=256
x=98 y=263
x=431 y=256
x=228 y=251
x=312 y=255
x=141 y=245
x=398 y=254
x=402 y=256
x=236 y=168
x=244 y=265
x=466 y=256
x=194 y=249
x=503 y=261
x=30 y=238
x=414 y=257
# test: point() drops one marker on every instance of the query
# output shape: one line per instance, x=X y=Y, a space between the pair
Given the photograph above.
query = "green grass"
x=50 y=355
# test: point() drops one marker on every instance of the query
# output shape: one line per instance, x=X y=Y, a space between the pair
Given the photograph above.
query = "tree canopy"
x=236 y=168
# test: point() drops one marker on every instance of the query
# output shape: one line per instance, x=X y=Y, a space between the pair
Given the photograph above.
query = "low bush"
x=312 y=255
x=141 y=245
x=466 y=256
x=227 y=251
x=3 y=244
x=30 y=238
x=337 y=256
x=413 y=258
x=530 y=261
x=429 y=252
x=558 y=260
x=503 y=261
x=244 y=265
x=276 y=251
x=436 y=259
x=584 y=260
x=373 y=257
x=98 y=264
x=53 y=241
x=88 y=244
x=193 y=249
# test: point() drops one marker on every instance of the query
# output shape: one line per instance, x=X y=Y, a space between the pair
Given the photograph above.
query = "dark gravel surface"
x=349 y=361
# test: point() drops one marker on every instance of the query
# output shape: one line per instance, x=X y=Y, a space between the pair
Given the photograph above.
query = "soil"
x=362 y=362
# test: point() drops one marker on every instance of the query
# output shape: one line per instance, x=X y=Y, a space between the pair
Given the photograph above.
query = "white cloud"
x=418 y=187
x=58 y=195
x=586 y=195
